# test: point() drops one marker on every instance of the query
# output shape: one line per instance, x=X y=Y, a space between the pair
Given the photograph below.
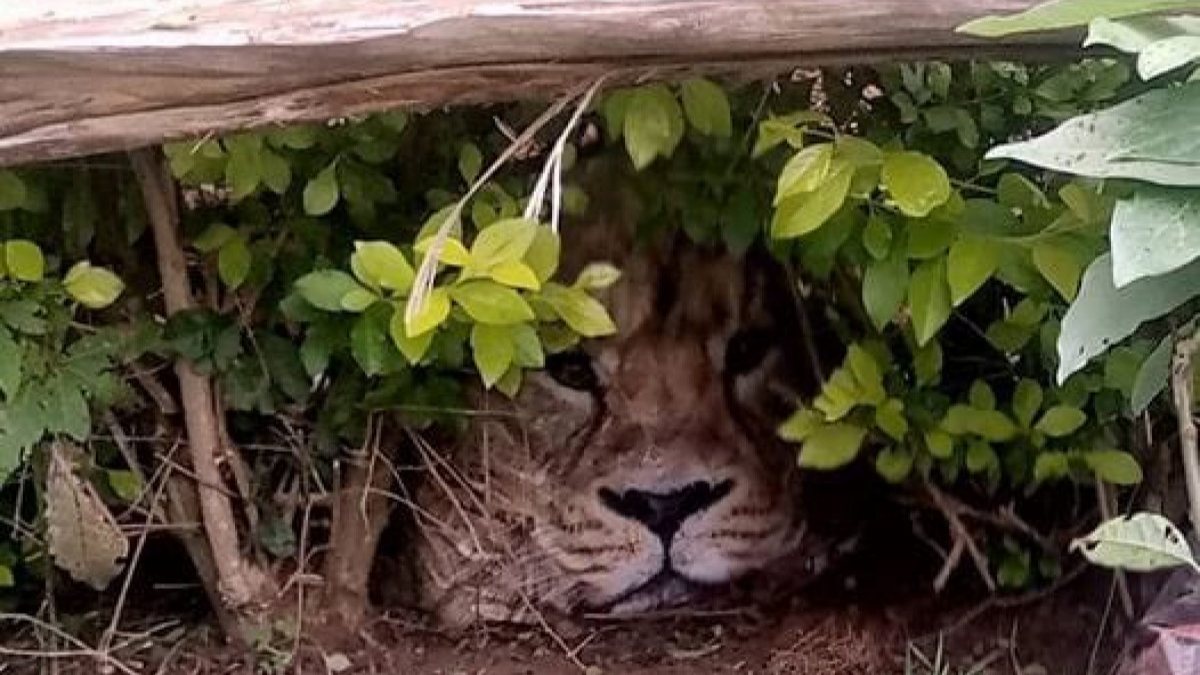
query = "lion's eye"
x=746 y=349
x=572 y=369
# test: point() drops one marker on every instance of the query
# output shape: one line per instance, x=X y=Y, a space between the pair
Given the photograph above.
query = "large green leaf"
x=1065 y=14
x=1167 y=55
x=488 y=302
x=971 y=261
x=1154 y=137
x=706 y=107
x=321 y=192
x=583 y=313
x=1142 y=542
x=505 y=241
x=652 y=124
x=324 y=289
x=92 y=287
x=929 y=299
x=1114 y=466
x=1152 y=376
x=916 y=182
x=1103 y=314
x=382 y=265
x=804 y=172
x=884 y=286
x=832 y=446
x=1155 y=231
x=493 y=351
x=23 y=260
x=1136 y=33
x=806 y=211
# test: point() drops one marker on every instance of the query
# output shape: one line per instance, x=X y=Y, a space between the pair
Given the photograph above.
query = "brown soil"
x=843 y=633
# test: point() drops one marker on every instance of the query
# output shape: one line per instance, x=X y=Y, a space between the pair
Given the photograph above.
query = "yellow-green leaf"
x=492 y=350
x=802 y=423
x=24 y=260
x=382 y=265
x=706 y=107
x=415 y=346
x=92 y=287
x=583 y=313
x=542 y=256
x=929 y=299
x=321 y=192
x=1060 y=266
x=970 y=262
x=1114 y=466
x=1061 y=420
x=516 y=274
x=489 y=302
x=894 y=464
x=804 y=172
x=453 y=252
x=806 y=211
x=916 y=182
x=503 y=241
x=832 y=446
x=596 y=276
x=358 y=299
x=431 y=315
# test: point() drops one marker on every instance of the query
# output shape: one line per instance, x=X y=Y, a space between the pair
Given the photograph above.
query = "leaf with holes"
x=1142 y=542
x=1155 y=231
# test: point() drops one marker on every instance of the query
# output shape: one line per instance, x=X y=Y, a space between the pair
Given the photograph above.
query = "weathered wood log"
x=82 y=77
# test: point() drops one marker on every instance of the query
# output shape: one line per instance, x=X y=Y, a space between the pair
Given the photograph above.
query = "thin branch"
x=196 y=394
x=1181 y=388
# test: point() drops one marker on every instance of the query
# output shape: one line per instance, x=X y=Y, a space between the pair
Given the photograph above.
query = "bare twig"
x=1108 y=508
x=239 y=582
x=959 y=533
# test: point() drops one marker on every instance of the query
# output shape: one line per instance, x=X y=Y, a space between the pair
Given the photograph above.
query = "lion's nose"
x=663 y=512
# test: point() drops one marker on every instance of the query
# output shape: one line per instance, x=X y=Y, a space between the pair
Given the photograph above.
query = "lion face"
x=635 y=471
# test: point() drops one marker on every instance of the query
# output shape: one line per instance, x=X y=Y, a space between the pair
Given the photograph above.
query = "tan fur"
x=515 y=523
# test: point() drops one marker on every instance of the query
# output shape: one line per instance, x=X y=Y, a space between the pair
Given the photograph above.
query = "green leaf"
x=1148 y=138
x=414 y=345
x=470 y=162
x=1061 y=420
x=804 y=172
x=1114 y=466
x=12 y=191
x=492 y=349
x=6 y=575
x=832 y=446
x=1135 y=34
x=432 y=313
x=939 y=443
x=597 y=276
x=542 y=256
x=800 y=425
x=382 y=265
x=651 y=118
x=488 y=302
x=929 y=299
x=1155 y=231
x=877 y=237
x=92 y=287
x=1168 y=54
x=11 y=357
x=358 y=300
x=706 y=107
x=516 y=274
x=981 y=457
x=324 y=289
x=1059 y=265
x=233 y=263
x=894 y=464
x=1065 y=14
x=1050 y=466
x=453 y=252
x=276 y=172
x=1152 y=376
x=927 y=363
x=321 y=192
x=884 y=286
x=1103 y=315
x=865 y=370
x=23 y=260
x=1142 y=542
x=583 y=313
x=213 y=237
x=369 y=343
x=67 y=411
x=1026 y=401
x=806 y=211
x=916 y=182
x=527 y=346
x=890 y=419
x=504 y=241
x=981 y=396
x=970 y=262
x=1016 y=191
x=125 y=484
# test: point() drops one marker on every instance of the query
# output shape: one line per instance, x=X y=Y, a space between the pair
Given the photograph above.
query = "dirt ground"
x=850 y=625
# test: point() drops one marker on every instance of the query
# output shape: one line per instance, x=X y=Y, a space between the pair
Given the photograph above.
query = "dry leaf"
x=83 y=536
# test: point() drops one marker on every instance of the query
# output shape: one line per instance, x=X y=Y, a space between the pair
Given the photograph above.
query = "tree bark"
x=91 y=77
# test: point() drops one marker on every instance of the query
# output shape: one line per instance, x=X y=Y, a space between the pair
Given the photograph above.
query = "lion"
x=636 y=472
